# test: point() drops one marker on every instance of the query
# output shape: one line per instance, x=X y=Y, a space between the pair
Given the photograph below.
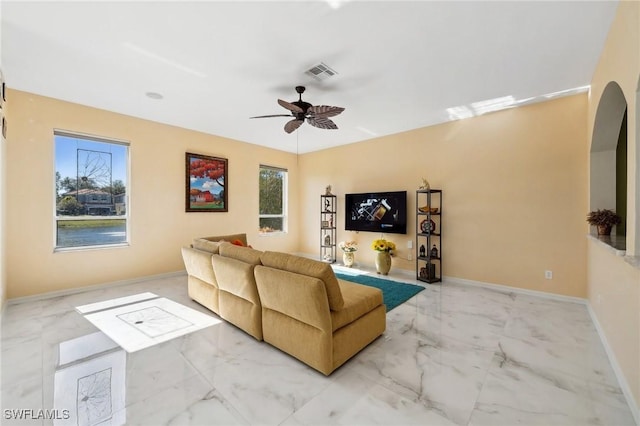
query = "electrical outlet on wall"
x=548 y=274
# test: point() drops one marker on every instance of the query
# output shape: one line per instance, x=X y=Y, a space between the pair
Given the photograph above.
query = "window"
x=91 y=191
x=273 y=199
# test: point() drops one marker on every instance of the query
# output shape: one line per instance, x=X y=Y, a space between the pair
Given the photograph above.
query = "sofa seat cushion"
x=308 y=267
x=358 y=301
x=244 y=254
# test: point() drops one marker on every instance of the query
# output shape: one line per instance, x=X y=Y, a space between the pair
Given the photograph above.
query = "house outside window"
x=91 y=178
x=272 y=199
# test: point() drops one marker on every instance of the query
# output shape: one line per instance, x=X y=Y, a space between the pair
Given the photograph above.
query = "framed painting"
x=206 y=180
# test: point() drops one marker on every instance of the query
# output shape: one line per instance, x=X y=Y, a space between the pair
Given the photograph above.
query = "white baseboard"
x=67 y=292
x=624 y=385
x=509 y=289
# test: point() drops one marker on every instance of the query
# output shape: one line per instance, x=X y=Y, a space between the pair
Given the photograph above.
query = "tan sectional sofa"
x=293 y=303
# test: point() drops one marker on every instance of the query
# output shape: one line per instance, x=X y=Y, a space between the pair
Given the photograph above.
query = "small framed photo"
x=206 y=182
x=325 y=224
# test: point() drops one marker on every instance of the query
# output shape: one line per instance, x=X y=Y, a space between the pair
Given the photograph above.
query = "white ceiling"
x=401 y=65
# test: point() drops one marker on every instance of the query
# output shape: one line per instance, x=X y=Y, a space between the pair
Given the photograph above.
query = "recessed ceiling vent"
x=321 y=72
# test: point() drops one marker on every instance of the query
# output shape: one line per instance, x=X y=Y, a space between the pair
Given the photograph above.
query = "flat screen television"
x=376 y=212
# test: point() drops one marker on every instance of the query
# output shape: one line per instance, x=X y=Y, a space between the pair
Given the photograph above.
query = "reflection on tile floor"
x=140 y=325
x=451 y=355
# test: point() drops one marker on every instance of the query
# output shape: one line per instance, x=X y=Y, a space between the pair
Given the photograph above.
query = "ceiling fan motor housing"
x=304 y=106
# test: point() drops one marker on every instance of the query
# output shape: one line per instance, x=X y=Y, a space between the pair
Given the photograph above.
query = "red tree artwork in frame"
x=206 y=181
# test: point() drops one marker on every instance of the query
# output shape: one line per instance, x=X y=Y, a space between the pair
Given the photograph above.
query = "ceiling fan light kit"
x=317 y=116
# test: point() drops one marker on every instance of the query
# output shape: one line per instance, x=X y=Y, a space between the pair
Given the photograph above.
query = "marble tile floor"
x=451 y=355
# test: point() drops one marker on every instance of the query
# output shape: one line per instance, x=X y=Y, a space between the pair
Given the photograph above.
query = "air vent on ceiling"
x=321 y=71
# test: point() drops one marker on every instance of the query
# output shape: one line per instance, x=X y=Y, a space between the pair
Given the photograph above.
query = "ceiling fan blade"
x=292 y=125
x=321 y=123
x=291 y=107
x=325 y=111
x=274 y=115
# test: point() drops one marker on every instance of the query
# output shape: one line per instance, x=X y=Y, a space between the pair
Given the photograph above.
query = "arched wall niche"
x=608 y=155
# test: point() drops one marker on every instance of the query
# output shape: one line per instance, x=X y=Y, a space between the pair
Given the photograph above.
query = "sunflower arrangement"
x=383 y=245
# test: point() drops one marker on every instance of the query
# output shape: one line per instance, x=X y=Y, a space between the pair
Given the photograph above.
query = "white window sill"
x=271 y=234
x=90 y=248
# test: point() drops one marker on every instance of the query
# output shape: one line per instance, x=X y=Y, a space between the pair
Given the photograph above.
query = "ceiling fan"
x=317 y=116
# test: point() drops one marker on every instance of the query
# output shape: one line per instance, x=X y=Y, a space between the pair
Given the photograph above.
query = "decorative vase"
x=604 y=229
x=348 y=258
x=383 y=262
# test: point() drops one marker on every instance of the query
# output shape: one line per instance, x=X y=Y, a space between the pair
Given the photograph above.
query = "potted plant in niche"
x=349 y=248
x=383 y=258
x=604 y=220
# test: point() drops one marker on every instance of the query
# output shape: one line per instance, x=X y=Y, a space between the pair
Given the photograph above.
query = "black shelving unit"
x=328 y=209
x=429 y=235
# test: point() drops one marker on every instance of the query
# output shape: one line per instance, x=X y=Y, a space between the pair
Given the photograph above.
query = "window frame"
x=285 y=201
x=127 y=212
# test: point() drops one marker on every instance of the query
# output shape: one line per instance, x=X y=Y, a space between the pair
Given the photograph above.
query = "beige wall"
x=613 y=284
x=159 y=225
x=3 y=227
x=514 y=182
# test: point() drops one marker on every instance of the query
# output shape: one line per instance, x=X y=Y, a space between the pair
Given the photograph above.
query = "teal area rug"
x=394 y=293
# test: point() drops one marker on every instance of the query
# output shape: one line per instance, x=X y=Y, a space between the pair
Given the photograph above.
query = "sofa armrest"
x=297 y=296
x=198 y=264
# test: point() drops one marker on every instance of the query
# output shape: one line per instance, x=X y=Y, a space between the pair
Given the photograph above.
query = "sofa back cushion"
x=236 y=277
x=245 y=254
x=203 y=244
x=296 y=296
x=231 y=237
x=309 y=267
x=198 y=264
